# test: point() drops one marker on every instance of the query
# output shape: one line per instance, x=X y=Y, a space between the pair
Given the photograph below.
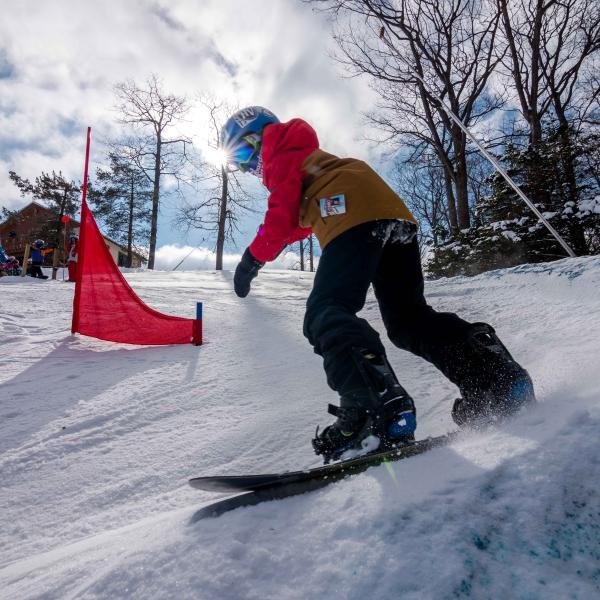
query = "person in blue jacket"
x=38 y=250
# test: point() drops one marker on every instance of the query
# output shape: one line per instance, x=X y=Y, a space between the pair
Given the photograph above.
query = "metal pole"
x=502 y=172
x=181 y=261
x=82 y=236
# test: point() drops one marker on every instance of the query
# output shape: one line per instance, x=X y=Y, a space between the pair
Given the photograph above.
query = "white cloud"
x=62 y=58
x=59 y=62
x=170 y=256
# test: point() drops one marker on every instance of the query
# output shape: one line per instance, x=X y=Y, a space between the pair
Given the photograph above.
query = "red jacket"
x=285 y=146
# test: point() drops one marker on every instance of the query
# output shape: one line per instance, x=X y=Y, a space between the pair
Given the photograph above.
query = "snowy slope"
x=98 y=440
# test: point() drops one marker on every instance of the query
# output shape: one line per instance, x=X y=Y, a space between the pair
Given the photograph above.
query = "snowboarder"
x=72 y=249
x=367 y=236
x=38 y=250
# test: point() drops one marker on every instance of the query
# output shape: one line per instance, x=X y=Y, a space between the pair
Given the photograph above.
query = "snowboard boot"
x=396 y=417
x=494 y=385
x=379 y=417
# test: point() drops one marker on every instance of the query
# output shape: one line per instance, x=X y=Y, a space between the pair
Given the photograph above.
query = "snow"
x=589 y=206
x=98 y=440
x=504 y=224
x=511 y=235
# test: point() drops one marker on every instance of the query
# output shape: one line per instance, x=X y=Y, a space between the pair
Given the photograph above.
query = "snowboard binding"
x=352 y=433
x=381 y=416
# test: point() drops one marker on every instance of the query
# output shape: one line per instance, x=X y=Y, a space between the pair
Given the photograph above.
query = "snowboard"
x=270 y=486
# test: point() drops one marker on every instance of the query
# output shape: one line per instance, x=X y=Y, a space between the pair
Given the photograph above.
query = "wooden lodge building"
x=35 y=220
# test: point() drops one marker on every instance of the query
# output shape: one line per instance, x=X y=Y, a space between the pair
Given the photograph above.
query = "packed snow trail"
x=98 y=441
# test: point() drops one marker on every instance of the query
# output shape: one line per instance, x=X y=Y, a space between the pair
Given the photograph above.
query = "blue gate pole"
x=197 y=334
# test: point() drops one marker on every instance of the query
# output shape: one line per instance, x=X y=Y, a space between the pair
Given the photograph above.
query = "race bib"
x=333 y=205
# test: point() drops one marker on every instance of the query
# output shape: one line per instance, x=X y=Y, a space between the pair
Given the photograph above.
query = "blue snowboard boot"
x=380 y=416
x=494 y=386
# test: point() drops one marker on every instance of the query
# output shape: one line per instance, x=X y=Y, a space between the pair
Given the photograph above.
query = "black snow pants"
x=386 y=255
x=36 y=271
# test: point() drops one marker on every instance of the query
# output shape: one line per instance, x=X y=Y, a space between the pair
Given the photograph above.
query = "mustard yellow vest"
x=340 y=193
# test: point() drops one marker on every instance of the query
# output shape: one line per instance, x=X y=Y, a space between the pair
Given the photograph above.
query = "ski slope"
x=97 y=441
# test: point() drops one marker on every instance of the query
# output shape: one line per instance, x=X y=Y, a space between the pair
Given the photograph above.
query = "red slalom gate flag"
x=106 y=307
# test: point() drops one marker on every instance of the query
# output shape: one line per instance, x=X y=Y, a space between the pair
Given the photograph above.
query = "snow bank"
x=98 y=441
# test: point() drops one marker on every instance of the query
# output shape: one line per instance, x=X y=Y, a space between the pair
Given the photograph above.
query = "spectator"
x=72 y=249
x=12 y=266
x=3 y=261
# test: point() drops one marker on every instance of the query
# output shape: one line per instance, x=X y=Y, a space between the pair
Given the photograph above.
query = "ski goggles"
x=246 y=153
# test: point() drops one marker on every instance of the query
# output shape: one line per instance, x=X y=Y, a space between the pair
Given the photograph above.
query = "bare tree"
x=551 y=46
x=421 y=185
x=153 y=115
x=548 y=46
x=570 y=37
x=302 y=248
x=307 y=250
x=522 y=26
x=421 y=52
x=221 y=196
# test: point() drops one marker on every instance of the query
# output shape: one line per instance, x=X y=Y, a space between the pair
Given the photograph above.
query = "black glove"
x=245 y=272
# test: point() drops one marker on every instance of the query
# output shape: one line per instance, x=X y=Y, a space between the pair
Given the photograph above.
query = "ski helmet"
x=39 y=243
x=241 y=137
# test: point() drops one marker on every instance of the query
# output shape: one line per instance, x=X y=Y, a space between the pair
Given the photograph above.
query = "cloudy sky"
x=60 y=59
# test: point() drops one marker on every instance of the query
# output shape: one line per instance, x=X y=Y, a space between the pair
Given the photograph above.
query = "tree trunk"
x=528 y=96
x=311 y=253
x=155 y=201
x=535 y=121
x=462 y=191
x=301 y=255
x=222 y=221
x=452 y=215
x=130 y=229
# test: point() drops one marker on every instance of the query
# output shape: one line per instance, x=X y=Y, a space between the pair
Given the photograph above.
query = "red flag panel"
x=106 y=307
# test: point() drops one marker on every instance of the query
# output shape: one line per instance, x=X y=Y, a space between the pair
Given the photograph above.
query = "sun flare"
x=216 y=156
